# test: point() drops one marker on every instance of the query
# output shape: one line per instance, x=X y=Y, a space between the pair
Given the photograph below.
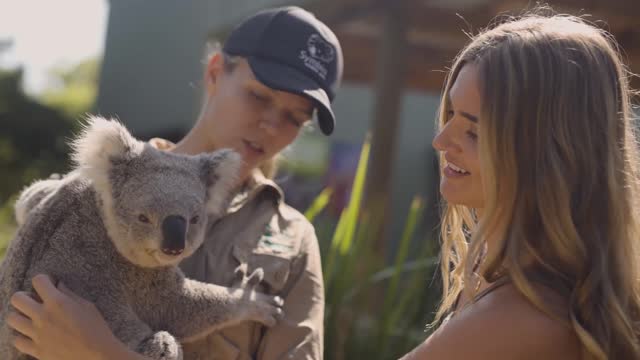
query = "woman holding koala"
x=260 y=92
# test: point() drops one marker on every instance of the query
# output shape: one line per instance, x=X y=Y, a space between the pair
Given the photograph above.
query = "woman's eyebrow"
x=469 y=117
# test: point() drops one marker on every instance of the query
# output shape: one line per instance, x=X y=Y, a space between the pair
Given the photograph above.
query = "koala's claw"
x=255 y=278
x=239 y=275
x=279 y=315
x=259 y=307
x=256 y=306
x=244 y=281
x=278 y=301
x=267 y=309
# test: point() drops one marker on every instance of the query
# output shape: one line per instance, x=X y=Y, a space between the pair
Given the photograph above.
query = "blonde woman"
x=540 y=176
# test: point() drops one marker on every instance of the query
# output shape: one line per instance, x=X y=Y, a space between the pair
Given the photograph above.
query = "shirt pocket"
x=276 y=267
x=276 y=270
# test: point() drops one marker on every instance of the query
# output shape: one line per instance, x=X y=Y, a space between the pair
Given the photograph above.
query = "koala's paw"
x=254 y=305
x=161 y=346
x=248 y=282
x=262 y=308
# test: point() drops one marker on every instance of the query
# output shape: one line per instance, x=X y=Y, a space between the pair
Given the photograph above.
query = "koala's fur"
x=113 y=231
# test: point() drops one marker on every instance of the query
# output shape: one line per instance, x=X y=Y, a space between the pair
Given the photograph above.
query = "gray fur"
x=86 y=230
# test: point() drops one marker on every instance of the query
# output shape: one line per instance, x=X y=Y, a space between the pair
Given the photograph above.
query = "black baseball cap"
x=290 y=50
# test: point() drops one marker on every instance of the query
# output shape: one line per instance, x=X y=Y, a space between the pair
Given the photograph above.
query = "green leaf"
x=319 y=203
x=353 y=209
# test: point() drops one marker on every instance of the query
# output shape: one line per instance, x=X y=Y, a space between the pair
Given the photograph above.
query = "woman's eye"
x=143 y=219
x=295 y=122
x=194 y=220
x=257 y=96
x=472 y=135
x=449 y=114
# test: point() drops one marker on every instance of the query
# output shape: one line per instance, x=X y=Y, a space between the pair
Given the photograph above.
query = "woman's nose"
x=438 y=142
x=445 y=141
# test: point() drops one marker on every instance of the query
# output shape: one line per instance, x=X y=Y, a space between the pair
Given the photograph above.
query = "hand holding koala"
x=113 y=231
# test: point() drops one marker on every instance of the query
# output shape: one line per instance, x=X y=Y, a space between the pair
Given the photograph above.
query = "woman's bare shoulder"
x=501 y=325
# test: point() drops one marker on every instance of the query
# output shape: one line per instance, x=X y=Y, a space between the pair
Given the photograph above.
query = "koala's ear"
x=220 y=174
x=102 y=141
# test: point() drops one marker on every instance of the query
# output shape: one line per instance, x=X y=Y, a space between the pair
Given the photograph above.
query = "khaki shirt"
x=261 y=231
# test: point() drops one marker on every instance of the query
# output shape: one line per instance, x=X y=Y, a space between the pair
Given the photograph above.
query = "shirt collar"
x=255 y=185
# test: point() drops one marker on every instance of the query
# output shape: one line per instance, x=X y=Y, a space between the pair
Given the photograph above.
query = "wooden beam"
x=436 y=35
x=392 y=54
x=425 y=66
x=612 y=15
x=371 y=27
x=331 y=12
x=621 y=8
x=449 y=21
x=334 y=12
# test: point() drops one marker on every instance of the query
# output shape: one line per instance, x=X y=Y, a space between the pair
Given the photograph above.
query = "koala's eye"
x=143 y=219
x=194 y=220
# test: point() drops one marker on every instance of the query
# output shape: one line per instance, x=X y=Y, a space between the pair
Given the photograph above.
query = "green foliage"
x=318 y=204
x=78 y=89
x=33 y=135
x=374 y=310
x=7 y=226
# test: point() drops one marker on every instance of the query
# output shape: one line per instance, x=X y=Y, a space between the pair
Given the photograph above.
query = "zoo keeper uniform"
x=261 y=231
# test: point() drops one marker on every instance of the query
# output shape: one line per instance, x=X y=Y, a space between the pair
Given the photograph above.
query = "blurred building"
x=155 y=52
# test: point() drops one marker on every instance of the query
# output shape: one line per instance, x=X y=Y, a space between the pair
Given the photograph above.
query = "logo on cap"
x=318 y=51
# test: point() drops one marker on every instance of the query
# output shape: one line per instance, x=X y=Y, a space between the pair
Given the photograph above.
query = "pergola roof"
x=436 y=31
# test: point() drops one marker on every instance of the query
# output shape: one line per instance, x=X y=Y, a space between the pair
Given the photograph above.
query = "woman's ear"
x=215 y=67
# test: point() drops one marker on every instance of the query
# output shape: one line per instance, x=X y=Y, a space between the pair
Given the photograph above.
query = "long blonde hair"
x=560 y=178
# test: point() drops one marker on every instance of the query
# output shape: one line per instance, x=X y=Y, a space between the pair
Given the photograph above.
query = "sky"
x=49 y=33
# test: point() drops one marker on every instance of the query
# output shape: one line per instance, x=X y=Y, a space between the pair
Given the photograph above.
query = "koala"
x=114 y=229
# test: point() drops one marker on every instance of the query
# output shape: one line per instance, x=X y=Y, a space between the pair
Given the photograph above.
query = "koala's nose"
x=174 y=232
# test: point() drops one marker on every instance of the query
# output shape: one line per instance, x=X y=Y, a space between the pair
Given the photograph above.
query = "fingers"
x=43 y=285
x=21 y=324
x=25 y=304
x=25 y=345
